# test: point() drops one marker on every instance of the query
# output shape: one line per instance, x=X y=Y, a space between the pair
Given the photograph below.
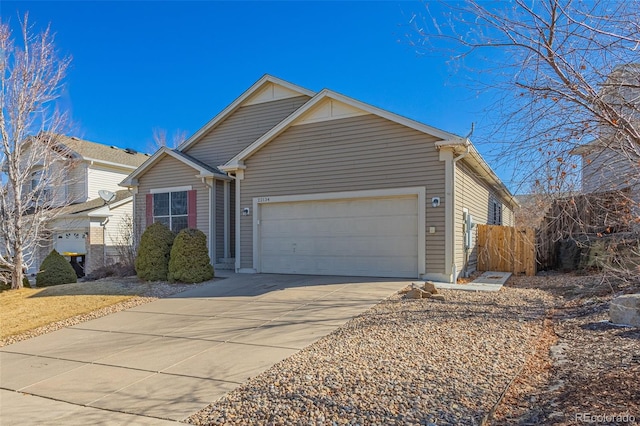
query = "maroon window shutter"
x=149 y=209
x=191 y=209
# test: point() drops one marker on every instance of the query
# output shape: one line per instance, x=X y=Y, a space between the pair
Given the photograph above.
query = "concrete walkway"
x=488 y=281
x=167 y=359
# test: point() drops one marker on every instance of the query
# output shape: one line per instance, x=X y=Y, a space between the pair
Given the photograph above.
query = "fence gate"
x=506 y=249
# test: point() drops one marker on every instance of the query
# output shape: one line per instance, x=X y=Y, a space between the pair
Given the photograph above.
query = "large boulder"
x=625 y=309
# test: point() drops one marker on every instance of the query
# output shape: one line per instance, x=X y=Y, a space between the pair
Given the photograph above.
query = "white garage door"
x=357 y=237
x=71 y=241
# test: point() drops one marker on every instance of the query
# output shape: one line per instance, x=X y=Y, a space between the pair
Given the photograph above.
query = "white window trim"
x=419 y=192
x=172 y=189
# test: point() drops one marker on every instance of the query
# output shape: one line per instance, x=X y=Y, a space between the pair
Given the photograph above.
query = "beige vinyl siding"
x=351 y=154
x=168 y=173
x=76 y=185
x=242 y=128
x=477 y=196
x=507 y=215
x=104 y=178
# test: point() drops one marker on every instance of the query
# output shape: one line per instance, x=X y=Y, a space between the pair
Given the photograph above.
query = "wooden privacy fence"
x=506 y=249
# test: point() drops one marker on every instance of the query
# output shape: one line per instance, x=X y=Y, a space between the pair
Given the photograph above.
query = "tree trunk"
x=17 y=274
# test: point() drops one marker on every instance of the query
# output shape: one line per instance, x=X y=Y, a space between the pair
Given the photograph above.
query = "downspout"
x=454 y=267
x=104 y=243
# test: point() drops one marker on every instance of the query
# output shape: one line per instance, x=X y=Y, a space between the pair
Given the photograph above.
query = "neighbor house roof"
x=203 y=169
x=103 y=153
x=96 y=203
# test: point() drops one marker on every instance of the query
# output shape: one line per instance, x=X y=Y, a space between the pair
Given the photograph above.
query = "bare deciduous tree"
x=557 y=66
x=33 y=162
x=566 y=85
x=161 y=139
x=127 y=241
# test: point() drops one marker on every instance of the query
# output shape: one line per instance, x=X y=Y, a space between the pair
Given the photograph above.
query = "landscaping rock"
x=426 y=295
x=430 y=287
x=415 y=293
x=438 y=297
x=625 y=310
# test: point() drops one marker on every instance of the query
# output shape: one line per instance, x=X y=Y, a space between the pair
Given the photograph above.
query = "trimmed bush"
x=190 y=261
x=152 y=262
x=55 y=270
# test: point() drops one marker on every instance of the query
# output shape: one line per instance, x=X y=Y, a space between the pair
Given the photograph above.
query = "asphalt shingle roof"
x=97 y=151
x=94 y=204
x=205 y=166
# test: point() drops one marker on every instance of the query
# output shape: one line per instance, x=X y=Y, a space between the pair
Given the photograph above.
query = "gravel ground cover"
x=401 y=362
x=584 y=365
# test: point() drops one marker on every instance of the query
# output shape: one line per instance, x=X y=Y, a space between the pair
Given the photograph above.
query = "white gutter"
x=109 y=163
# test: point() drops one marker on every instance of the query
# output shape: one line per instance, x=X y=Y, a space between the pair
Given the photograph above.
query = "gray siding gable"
x=243 y=127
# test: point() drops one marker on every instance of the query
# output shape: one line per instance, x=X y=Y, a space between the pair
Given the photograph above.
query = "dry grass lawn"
x=26 y=309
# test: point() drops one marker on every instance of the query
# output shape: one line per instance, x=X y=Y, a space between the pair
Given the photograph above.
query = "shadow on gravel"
x=415 y=310
x=631 y=334
x=624 y=331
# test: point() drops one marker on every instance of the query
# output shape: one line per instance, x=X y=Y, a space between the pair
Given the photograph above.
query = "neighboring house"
x=87 y=224
x=285 y=180
x=612 y=160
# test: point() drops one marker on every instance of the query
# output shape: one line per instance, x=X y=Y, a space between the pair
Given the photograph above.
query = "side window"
x=497 y=213
x=40 y=191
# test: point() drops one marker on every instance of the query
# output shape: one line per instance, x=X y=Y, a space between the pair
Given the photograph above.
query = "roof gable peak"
x=267 y=88
x=328 y=105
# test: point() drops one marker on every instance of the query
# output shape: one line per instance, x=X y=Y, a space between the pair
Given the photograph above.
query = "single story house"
x=285 y=180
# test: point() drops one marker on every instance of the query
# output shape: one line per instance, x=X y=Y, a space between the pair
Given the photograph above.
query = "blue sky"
x=174 y=65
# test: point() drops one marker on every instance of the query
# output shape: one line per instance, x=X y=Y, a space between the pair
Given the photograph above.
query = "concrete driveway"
x=165 y=360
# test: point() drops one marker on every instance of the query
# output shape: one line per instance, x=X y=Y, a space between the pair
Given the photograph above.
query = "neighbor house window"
x=39 y=191
x=175 y=209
